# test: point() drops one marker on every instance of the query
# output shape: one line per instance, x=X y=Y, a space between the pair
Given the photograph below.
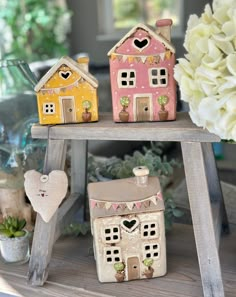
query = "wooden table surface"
x=72 y=271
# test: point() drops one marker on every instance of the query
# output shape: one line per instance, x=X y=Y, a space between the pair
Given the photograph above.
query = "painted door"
x=133 y=268
x=143 y=109
x=68 y=110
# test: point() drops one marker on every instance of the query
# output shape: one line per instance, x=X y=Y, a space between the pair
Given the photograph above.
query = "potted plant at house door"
x=163 y=113
x=86 y=115
x=124 y=115
x=14 y=240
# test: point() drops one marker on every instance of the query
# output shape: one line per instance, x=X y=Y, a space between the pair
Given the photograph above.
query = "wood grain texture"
x=182 y=129
x=203 y=224
x=79 y=156
x=73 y=271
x=44 y=233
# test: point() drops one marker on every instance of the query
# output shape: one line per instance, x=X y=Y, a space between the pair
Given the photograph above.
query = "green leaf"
x=22 y=224
x=19 y=233
x=6 y=233
x=2 y=227
x=177 y=213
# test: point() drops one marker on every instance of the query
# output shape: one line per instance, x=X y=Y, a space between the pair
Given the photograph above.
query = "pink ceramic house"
x=141 y=71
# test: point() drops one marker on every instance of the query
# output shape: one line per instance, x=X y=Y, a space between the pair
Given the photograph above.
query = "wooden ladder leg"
x=44 y=233
x=79 y=156
x=203 y=224
x=216 y=195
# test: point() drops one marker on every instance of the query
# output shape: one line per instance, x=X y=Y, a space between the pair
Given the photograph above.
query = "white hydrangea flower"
x=207 y=73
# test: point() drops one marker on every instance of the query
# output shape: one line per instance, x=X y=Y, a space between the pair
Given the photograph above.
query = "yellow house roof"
x=74 y=66
x=151 y=31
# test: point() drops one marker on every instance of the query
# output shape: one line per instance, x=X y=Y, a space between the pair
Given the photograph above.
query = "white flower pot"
x=15 y=250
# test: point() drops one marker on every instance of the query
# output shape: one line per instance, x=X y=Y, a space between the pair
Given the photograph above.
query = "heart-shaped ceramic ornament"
x=46 y=192
x=129 y=225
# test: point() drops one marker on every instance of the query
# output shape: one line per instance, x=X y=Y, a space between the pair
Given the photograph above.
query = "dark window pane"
x=116 y=252
x=115 y=237
x=153 y=225
x=115 y=229
x=109 y=259
x=155 y=81
x=145 y=233
x=117 y=259
x=107 y=231
x=108 y=252
x=131 y=83
x=155 y=246
x=124 y=83
x=163 y=81
x=145 y=226
x=124 y=74
x=154 y=72
x=163 y=72
x=147 y=247
x=148 y=255
x=132 y=74
x=153 y=233
x=108 y=238
x=155 y=254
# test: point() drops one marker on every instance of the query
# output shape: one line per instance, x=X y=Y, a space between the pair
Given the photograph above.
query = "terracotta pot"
x=149 y=272
x=120 y=276
x=163 y=115
x=124 y=116
x=15 y=250
x=86 y=116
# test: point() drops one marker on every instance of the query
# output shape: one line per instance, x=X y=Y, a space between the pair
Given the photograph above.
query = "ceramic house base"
x=141 y=73
x=127 y=221
x=67 y=93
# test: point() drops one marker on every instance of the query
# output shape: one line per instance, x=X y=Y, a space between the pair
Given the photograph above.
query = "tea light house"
x=127 y=222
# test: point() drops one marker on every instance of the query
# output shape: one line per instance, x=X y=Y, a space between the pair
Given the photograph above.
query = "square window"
x=132 y=74
x=116 y=252
x=163 y=81
x=108 y=252
x=145 y=226
x=153 y=233
x=154 y=81
x=124 y=83
x=108 y=238
x=49 y=108
x=124 y=74
x=131 y=83
x=153 y=225
x=117 y=259
x=155 y=247
x=148 y=255
x=154 y=72
x=155 y=254
x=109 y=259
x=115 y=237
x=145 y=233
x=147 y=247
x=111 y=234
x=115 y=229
x=107 y=231
x=163 y=72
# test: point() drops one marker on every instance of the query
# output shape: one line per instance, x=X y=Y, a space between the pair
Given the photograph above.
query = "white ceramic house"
x=127 y=222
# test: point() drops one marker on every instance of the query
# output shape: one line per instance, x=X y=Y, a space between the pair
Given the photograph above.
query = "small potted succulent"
x=163 y=113
x=14 y=240
x=120 y=271
x=124 y=115
x=149 y=271
x=86 y=115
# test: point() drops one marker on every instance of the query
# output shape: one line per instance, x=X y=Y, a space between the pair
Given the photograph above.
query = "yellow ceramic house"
x=67 y=93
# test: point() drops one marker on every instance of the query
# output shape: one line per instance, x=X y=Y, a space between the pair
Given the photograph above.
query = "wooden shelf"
x=72 y=271
x=180 y=130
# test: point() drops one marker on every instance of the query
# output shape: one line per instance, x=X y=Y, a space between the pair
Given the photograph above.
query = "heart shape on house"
x=129 y=225
x=140 y=44
x=46 y=192
x=65 y=74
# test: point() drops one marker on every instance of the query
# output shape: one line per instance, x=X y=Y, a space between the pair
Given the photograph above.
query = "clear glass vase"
x=18 y=111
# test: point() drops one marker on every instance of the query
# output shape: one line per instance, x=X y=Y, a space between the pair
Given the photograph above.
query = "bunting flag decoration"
x=142 y=58
x=145 y=203
x=52 y=91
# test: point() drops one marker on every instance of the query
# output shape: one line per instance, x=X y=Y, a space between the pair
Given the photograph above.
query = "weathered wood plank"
x=79 y=156
x=204 y=230
x=43 y=239
x=180 y=130
x=216 y=195
x=72 y=270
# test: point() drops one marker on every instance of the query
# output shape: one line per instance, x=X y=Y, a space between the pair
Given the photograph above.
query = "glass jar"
x=18 y=151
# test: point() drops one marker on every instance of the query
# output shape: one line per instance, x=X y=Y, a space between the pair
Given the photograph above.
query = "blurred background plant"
x=34 y=30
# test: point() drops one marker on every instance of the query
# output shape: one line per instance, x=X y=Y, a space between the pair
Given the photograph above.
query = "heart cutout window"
x=129 y=225
x=65 y=74
x=140 y=44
